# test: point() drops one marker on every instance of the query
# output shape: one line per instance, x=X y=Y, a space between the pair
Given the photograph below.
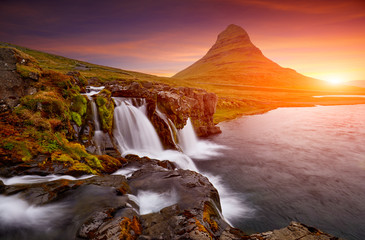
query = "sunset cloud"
x=165 y=36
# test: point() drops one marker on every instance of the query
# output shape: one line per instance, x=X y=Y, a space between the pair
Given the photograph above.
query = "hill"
x=234 y=59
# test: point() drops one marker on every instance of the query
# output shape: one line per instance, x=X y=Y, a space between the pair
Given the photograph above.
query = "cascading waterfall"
x=195 y=148
x=171 y=126
x=135 y=134
x=99 y=135
x=133 y=130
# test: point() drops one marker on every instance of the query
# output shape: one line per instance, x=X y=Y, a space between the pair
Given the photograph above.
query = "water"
x=135 y=134
x=194 y=147
x=150 y=202
x=39 y=179
x=303 y=164
x=133 y=130
x=99 y=136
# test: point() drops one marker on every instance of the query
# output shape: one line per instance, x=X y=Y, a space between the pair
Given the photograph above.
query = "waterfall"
x=133 y=130
x=171 y=126
x=195 y=148
x=99 y=135
x=135 y=134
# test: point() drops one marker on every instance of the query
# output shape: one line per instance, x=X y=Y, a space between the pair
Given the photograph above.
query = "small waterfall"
x=99 y=135
x=133 y=130
x=195 y=148
x=187 y=138
x=171 y=126
x=135 y=134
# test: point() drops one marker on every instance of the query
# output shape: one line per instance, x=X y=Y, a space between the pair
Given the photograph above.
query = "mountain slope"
x=234 y=59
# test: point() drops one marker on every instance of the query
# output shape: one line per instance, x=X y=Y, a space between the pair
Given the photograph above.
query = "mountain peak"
x=234 y=59
x=233 y=37
x=233 y=31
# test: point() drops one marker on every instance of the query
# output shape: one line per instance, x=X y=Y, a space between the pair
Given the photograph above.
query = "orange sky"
x=321 y=39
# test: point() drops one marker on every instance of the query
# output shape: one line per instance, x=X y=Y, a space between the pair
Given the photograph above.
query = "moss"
x=60 y=157
x=27 y=156
x=201 y=228
x=50 y=145
x=111 y=164
x=28 y=71
x=93 y=162
x=208 y=213
x=79 y=104
x=106 y=110
x=8 y=145
x=81 y=167
x=78 y=108
x=76 y=118
x=130 y=229
x=50 y=104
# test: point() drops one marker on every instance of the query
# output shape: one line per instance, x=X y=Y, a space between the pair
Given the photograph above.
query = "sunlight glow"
x=334 y=79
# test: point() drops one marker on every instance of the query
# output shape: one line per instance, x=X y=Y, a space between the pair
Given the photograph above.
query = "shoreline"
x=256 y=110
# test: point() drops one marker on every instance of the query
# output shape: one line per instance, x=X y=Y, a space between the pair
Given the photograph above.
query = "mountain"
x=234 y=59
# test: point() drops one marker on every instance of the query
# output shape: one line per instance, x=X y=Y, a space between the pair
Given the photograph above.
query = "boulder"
x=294 y=231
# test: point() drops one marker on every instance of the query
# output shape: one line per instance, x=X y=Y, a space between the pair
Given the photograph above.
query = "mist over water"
x=135 y=134
x=303 y=164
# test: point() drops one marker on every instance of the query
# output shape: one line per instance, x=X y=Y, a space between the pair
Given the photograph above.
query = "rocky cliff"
x=16 y=77
x=177 y=103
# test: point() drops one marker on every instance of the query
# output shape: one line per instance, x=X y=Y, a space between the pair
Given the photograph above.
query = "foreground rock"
x=294 y=231
x=155 y=202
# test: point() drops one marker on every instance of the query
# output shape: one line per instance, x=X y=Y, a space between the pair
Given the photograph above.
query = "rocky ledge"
x=294 y=231
x=120 y=207
x=177 y=103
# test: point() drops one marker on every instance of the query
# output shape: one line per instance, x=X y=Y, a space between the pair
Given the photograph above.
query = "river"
x=296 y=164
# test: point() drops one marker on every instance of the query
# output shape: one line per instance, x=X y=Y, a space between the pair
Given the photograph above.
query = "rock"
x=293 y=232
x=13 y=85
x=2 y=187
x=178 y=104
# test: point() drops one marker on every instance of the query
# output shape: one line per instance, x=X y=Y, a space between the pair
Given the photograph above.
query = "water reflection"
x=304 y=164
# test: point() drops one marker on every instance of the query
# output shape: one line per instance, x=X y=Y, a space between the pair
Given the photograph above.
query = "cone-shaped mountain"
x=234 y=59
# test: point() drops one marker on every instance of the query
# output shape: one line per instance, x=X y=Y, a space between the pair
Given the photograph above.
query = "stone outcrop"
x=178 y=104
x=294 y=231
x=13 y=85
x=105 y=207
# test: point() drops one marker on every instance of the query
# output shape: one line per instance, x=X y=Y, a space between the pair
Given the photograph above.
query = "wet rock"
x=178 y=104
x=293 y=232
x=2 y=187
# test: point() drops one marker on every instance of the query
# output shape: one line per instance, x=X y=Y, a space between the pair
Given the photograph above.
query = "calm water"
x=302 y=164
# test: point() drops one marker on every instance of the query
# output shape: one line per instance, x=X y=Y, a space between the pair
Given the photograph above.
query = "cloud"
x=309 y=6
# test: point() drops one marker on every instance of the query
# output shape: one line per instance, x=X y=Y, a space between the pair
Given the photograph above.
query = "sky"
x=324 y=39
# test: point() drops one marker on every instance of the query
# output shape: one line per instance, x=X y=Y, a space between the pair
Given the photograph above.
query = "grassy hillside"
x=233 y=99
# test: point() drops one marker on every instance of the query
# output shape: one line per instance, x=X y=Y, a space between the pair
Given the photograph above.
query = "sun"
x=334 y=80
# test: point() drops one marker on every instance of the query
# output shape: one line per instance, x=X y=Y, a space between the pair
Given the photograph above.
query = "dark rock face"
x=13 y=86
x=293 y=232
x=105 y=207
